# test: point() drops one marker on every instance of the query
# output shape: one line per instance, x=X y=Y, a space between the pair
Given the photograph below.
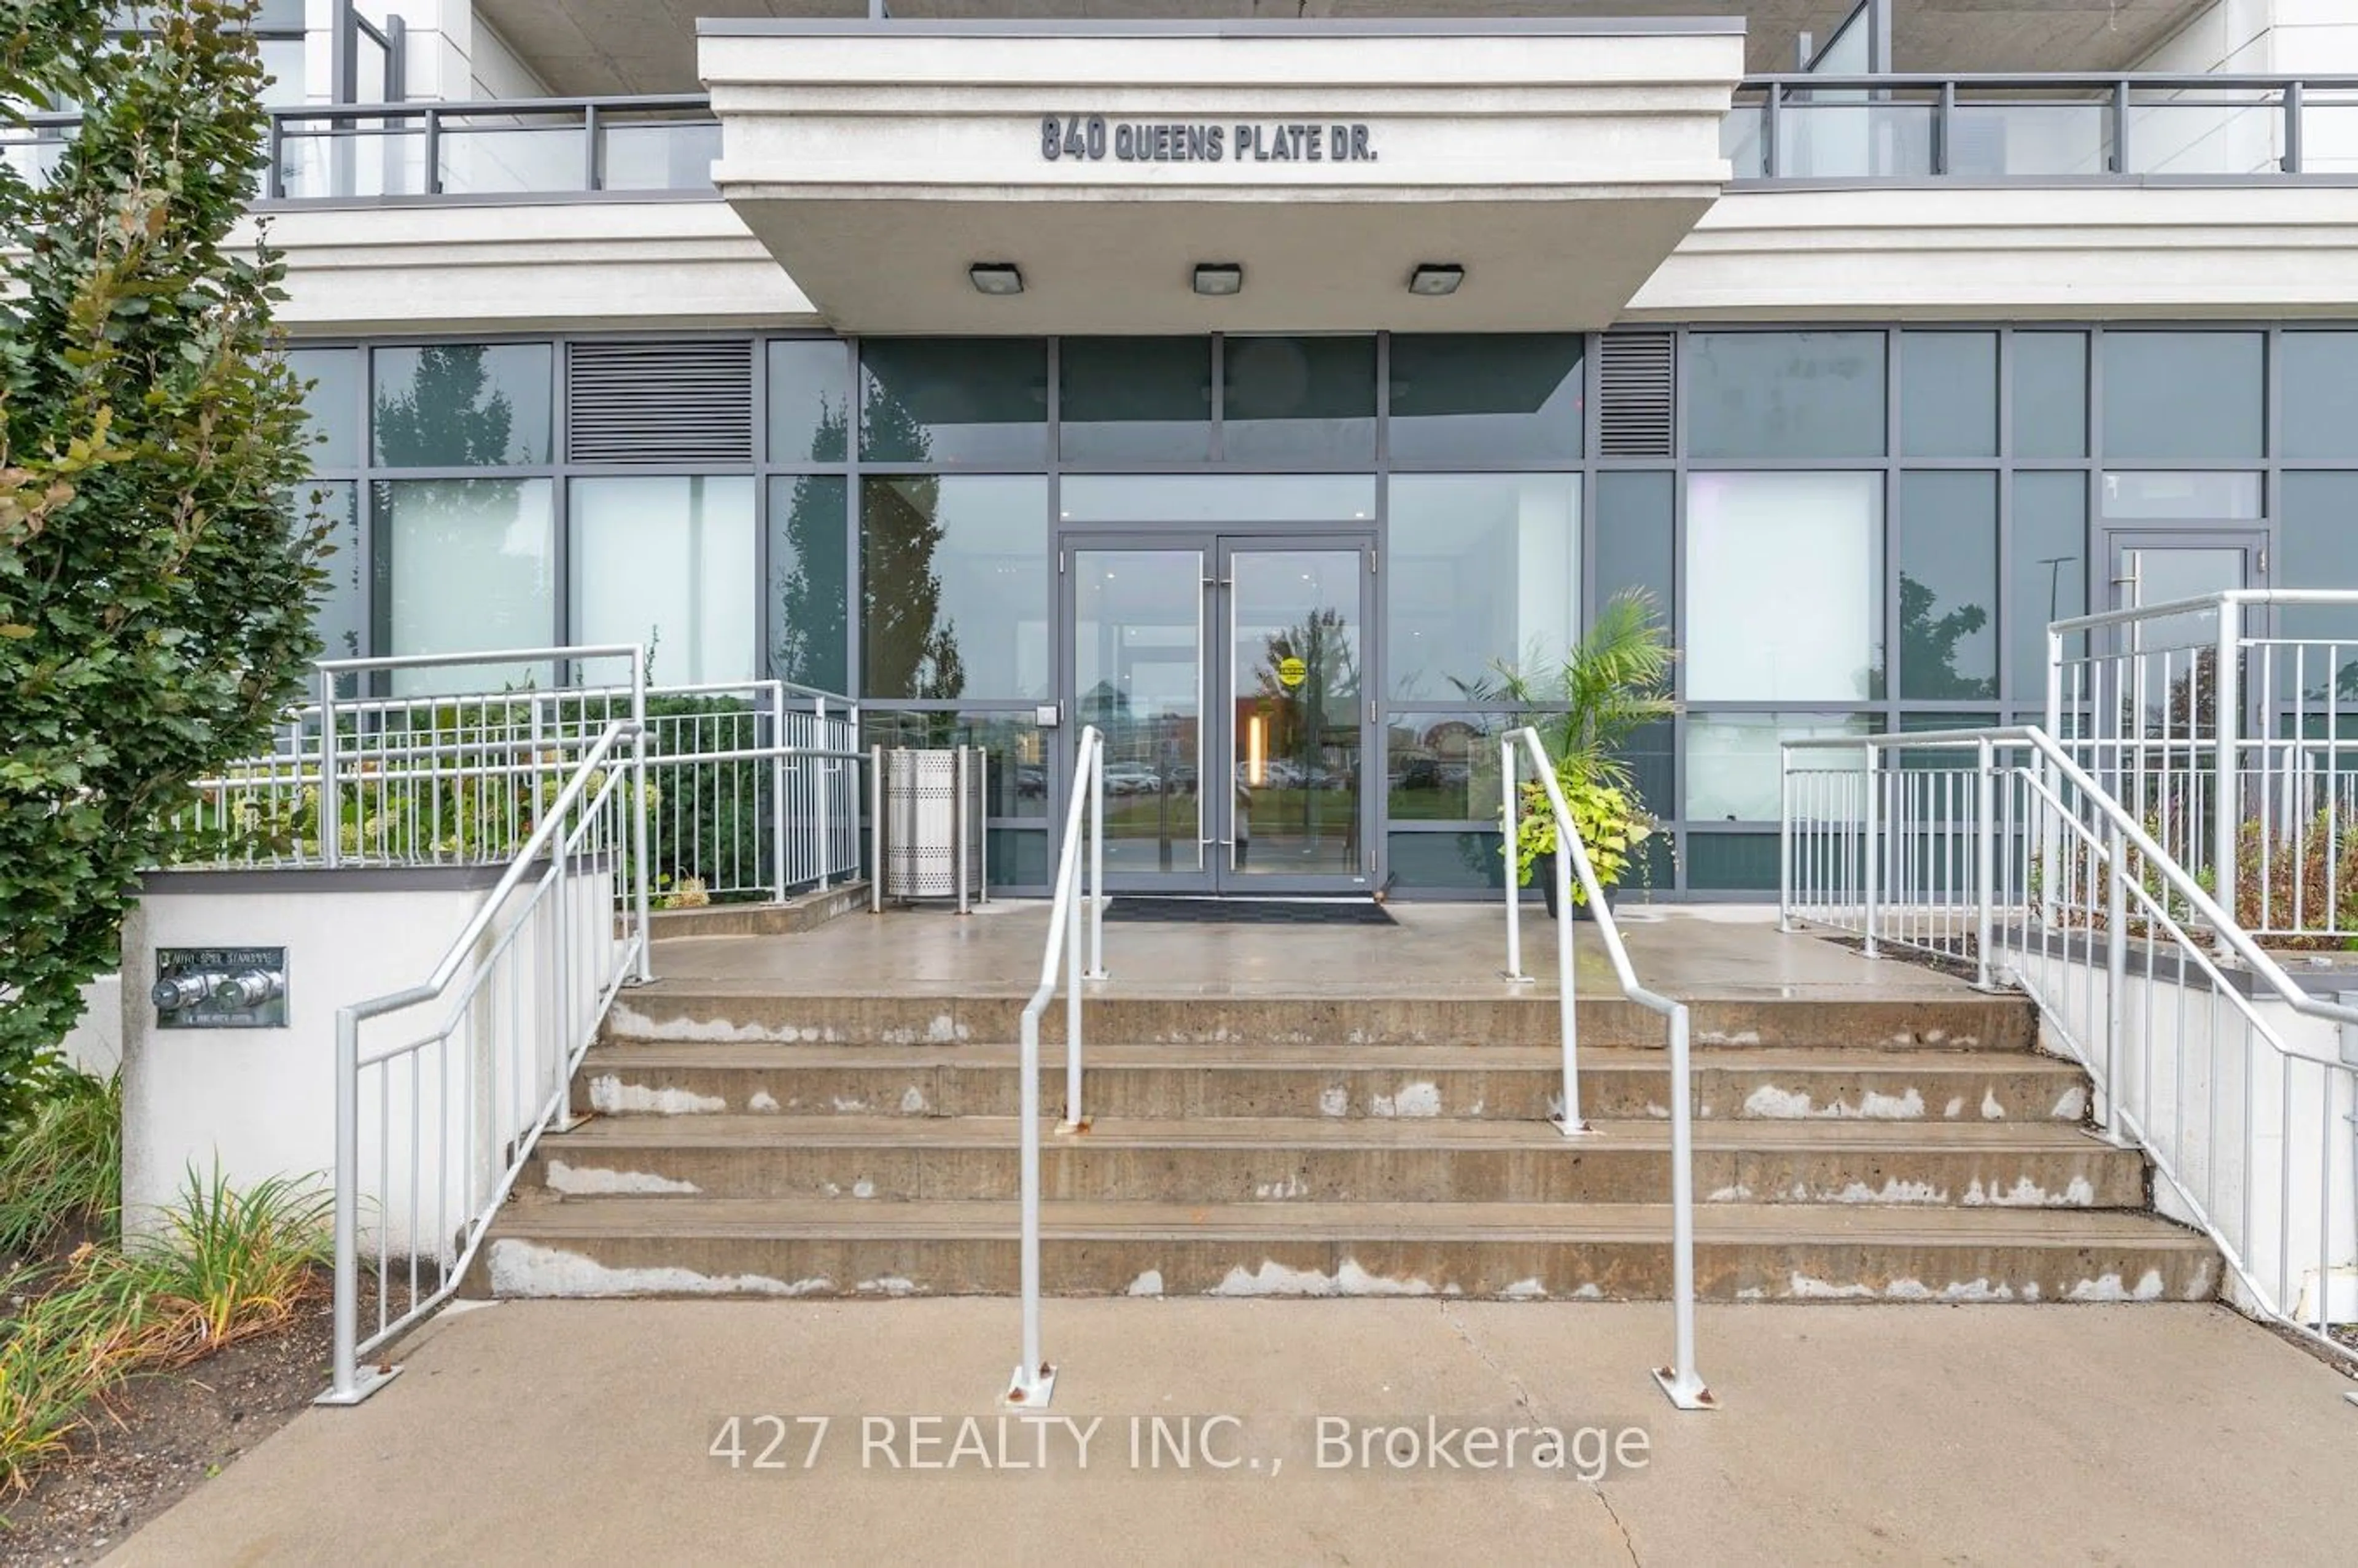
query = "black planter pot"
x=1543 y=873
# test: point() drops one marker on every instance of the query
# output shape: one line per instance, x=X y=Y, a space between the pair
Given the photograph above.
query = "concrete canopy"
x=1557 y=164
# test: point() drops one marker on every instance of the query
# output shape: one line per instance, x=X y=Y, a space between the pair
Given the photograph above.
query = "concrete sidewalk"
x=555 y=1432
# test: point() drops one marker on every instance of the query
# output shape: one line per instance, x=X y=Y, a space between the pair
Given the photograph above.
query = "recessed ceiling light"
x=1219 y=277
x=1436 y=277
x=995 y=277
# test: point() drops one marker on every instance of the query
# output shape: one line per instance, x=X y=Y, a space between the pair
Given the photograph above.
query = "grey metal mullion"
x=2294 y=107
x=1219 y=396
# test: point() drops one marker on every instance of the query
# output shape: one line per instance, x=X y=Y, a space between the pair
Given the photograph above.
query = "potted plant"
x=1608 y=685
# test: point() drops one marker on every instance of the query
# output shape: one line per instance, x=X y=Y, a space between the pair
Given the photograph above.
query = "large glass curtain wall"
x=1858 y=529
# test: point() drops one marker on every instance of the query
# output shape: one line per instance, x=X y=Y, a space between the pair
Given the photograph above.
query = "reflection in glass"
x=1304 y=400
x=954 y=400
x=463 y=405
x=1948 y=395
x=2046 y=572
x=1138 y=676
x=1135 y=399
x=1218 y=498
x=1947 y=585
x=1735 y=768
x=809 y=400
x=1016 y=781
x=341 y=615
x=953 y=587
x=1444 y=767
x=666 y=563
x=331 y=404
x=2183 y=396
x=1759 y=547
x=1785 y=395
x=1294 y=640
x=1486 y=398
x=810 y=579
x=1486 y=568
x=466 y=565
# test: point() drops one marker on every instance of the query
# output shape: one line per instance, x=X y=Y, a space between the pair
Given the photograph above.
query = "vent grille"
x=1634 y=404
x=659 y=403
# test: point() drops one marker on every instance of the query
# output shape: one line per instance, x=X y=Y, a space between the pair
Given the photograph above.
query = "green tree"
x=156 y=601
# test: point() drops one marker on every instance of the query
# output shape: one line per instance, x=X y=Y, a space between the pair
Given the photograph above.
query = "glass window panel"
x=1454 y=860
x=331 y=404
x=2183 y=396
x=1299 y=400
x=667 y=562
x=1014 y=750
x=1487 y=398
x=2320 y=539
x=1218 y=498
x=1785 y=395
x=2181 y=496
x=1131 y=400
x=1483 y=568
x=1735 y=771
x=466 y=565
x=810 y=580
x=1444 y=767
x=2046 y=571
x=2320 y=397
x=954 y=579
x=954 y=400
x=282 y=67
x=1138 y=676
x=1635 y=543
x=2051 y=395
x=809 y=400
x=1017 y=859
x=1948 y=395
x=1947 y=585
x=463 y=405
x=341 y=617
x=1784 y=587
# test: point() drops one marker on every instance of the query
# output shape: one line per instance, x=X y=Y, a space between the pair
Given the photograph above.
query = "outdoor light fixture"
x=1219 y=277
x=995 y=277
x=1435 y=277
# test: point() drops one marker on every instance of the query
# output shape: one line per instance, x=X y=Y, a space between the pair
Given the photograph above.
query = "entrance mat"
x=1251 y=911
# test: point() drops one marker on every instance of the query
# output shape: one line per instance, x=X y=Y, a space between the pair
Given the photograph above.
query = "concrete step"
x=752 y=1011
x=618 y=1246
x=1510 y=1082
x=1240 y=1159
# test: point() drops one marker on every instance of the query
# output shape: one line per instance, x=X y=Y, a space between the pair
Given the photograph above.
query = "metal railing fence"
x=1034 y=1382
x=2000 y=848
x=438 y=1109
x=1679 y=1380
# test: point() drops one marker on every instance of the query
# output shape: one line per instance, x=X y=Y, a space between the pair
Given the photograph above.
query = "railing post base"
x=1684 y=1390
x=1072 y=1129
x=366 y=1380
x=1029 y=1393
x=1571 y=1129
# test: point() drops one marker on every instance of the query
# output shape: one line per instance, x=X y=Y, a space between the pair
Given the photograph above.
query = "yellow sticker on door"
x=1291 y=672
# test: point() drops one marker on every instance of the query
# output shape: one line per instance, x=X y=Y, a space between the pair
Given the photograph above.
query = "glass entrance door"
x=1226 y=672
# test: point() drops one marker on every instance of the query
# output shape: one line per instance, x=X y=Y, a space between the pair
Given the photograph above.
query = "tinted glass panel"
x=331 y=404
x=1486 y=399
x=954 y=578
x=2046 y=571
x=1784 y=587
x=809 y=400
x=463 y=405
x=1733 y=863
x=1485 y=567
x=1634 y=548
x=1444 y=767
x=1947 y=585
x=341 y=618
x=1461 y=860
x=1135 y=399
x=1218 y=498
x=810 y=578
x=2320 y=535
x=2051 y=395
x=1734 y=761
x=667 y=563
x=2183 y=396
x=1299 y=399
x=466 y=564
x=1785 y=395
x=2320 y=395
x=1948 y=395
x=965 y=400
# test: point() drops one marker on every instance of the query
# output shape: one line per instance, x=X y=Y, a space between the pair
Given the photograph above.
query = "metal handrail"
x=1034 y=1382
x=348 y=1386
x=1679 y=1380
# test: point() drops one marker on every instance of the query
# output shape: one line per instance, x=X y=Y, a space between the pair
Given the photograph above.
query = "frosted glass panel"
x=667 y=563
x=1734 y=767
x=1484 y=568
x=1784 y=587
x=468 y=567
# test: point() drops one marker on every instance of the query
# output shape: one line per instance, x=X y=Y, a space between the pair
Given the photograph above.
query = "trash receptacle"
x=926 y=832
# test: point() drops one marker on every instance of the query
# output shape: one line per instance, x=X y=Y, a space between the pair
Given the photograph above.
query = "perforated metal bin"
x=926 y=824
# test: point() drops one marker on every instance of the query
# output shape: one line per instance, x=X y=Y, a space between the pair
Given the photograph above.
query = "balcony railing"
x=2058 y=129
x=443 y=151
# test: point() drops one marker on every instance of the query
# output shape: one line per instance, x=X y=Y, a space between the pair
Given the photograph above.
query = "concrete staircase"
x=750 y=1143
